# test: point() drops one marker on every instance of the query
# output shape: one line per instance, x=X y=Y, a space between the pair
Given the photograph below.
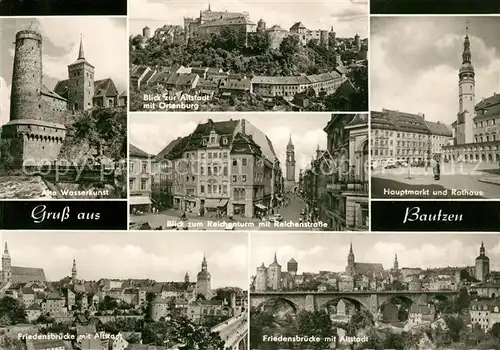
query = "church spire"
x=275 y=258
x=73 y=270
x=6 y=250
x=466 y=55
x=204 y=263
x=81 y=54
x=209 y=6
x=482 y=251
x=350 y=249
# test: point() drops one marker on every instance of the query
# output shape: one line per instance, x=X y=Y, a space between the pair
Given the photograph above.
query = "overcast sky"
x=347 y=17
x=328 y=252
x=151 y=132
x=156 y=255
x=415 y=62
x=105 y=45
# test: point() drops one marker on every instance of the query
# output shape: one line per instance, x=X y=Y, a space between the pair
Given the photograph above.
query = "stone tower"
x=73 y=270
x=6 y=264
x=81 y=82
x=146 y=32
x=33 y=140
x=323 y=37
x=203 y=280
x=332 y=38
x=274 y=275
x=482 y=264
x=357 y=42
x=290 y=166
x=292 y=267
x=26 y=97
x=186 y=277
x=396 y=263
x=350 y=270
x=261 y=25
x=466 y=96
x=261 y=279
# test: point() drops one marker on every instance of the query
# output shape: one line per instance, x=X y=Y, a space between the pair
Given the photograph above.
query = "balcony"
x=347 y=183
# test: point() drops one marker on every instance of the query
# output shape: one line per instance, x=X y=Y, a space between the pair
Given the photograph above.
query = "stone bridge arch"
x=360 y=302
x=295 y=303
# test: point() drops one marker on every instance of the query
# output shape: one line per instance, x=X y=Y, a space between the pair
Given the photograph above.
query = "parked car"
x=303 y=212
x=390 y=166
x=230 y=227
x=276 y=217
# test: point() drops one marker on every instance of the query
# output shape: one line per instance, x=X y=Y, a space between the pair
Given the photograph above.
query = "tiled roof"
x=137 y=152
x=438 y=129
x=27 y=274
x=298 y=25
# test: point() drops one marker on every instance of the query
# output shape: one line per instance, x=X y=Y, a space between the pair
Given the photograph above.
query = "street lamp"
x=409 y=168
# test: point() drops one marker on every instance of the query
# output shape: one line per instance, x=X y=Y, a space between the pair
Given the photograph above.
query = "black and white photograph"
x=416 y=7
x=434 y=130
x=390 y=291
x=239 y=171
x=63 y=108
x=63 y=7
x=249 y=55
x=122 y=290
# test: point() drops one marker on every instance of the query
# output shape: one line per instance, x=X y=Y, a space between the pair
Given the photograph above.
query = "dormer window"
x=224 y=141
x=204 y=142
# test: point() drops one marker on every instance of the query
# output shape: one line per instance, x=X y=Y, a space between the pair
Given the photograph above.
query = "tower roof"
x=275 y=261
x=290 y=143
x=81 y=54
x=466 y=54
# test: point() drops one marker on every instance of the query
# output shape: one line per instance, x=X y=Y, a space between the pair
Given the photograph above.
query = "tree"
x=359 y=320
x=11 y=311
x=495 y=330
x=317 y=323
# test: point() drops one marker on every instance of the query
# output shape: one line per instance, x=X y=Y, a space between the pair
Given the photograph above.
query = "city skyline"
x=104 y=41
x=347 y=17
x=316 y=252
x=152 y=255
x=435 y=48
x=306 y=131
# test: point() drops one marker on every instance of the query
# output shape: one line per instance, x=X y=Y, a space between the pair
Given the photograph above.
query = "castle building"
x=38 y=115
x=213 y=22
x=476 y=132
x=290 y=166
x=228 y=167
x=482 y=264
x=83 y=92
x=357 y=42
x=203 y=281
x=354 y=268
x=273 y=278
x=19 y=274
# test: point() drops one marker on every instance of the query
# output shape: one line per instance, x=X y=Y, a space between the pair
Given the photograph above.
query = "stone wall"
x=54 y=110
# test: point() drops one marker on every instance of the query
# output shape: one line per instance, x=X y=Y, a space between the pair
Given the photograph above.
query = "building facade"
x=335 y=184
x=140 y=180
x=225 y=168
x=405 y=137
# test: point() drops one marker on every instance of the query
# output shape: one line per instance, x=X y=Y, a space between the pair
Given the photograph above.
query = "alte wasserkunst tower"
x=35 y=134
x=38 y=115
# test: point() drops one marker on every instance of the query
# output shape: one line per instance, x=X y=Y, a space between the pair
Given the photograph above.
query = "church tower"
x=350 y=262
x=290 y=165
x=73 y=270
x=482 y=264
x=274 y=275
x=396 y=263
x=81 y=83
x=203 y=280
x=6 y=265
x=186 y=277
x=466 y=96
